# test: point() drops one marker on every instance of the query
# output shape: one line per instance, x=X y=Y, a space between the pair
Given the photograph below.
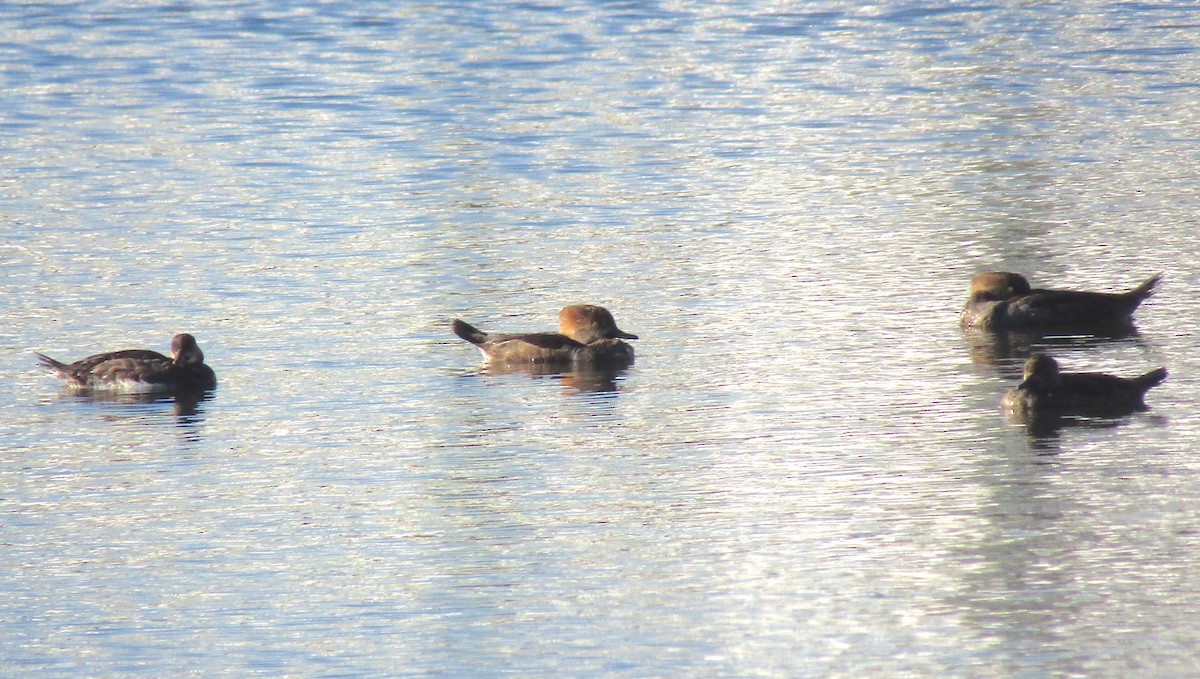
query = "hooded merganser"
x=1001 y=300
x=587 y=335
x=1046 y=390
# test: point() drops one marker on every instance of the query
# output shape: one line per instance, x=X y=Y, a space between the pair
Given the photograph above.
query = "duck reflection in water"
x=1048 y=397
x=578 y=379
x=1004 y=350
x=587 y=339
x=142 y=376
x=1005 y=318
x=185 y=403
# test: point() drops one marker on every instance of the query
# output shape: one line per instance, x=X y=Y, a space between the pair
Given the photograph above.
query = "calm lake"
x=805 y=473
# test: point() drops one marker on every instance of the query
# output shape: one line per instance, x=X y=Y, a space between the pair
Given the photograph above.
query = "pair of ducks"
x=588 y=337
x=1005 y=301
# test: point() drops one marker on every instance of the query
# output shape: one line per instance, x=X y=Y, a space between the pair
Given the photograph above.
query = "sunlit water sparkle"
x=805 y=473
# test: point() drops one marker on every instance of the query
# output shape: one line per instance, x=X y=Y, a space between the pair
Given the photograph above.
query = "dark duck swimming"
x=1001 y=300
x=138 y=370
x=1046 y=390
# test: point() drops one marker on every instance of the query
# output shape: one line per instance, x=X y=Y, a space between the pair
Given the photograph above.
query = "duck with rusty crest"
x=587 y=336
x=1001 y=300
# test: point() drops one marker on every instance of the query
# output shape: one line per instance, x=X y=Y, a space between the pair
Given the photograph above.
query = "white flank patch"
x=125 y=386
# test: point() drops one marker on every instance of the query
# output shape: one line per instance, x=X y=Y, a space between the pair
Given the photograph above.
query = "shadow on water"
x=1045 y=428
x=1006 y=350
x=186 y=405
x=585 y=380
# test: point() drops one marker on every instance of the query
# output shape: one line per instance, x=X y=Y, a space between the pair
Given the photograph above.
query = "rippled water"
x=806 y=473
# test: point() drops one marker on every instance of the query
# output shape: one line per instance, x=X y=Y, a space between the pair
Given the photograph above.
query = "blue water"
x=805 y=473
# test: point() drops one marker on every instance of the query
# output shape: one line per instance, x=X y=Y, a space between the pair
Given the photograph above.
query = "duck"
x=587 y=336
x=1003 y=300
x=138 y=370
x=1044 y=389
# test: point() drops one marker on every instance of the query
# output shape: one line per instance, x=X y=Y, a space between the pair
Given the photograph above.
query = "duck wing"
x=542 y=340
x=1099 y=390
x=1067 y=307
x=81 y=369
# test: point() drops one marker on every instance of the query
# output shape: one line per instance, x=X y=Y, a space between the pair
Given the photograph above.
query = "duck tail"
x=1151 y=379
x=50 y=363
x=468 y=332
x=1137 y=295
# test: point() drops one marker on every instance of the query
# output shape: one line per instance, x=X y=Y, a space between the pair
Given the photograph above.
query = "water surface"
x=806 y=472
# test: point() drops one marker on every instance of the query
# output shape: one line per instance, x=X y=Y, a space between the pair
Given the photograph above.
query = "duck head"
x=586 y=323
x=998 y=285
x=1041 y=372
x=185 y=351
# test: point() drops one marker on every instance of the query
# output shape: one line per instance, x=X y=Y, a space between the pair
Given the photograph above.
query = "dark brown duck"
x=1047 y=390
x=138 y=370
x=1002 y=300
